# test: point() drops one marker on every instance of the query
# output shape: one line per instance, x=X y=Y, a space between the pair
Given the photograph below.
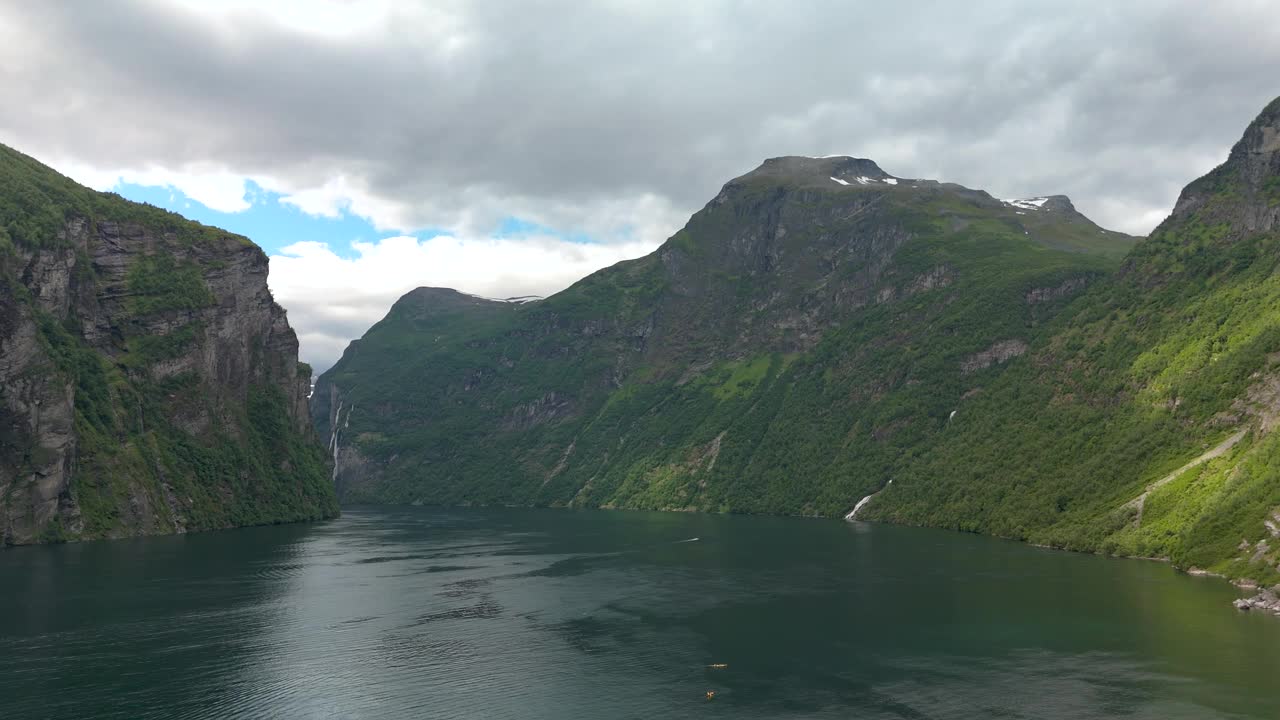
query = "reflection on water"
x=560 y=614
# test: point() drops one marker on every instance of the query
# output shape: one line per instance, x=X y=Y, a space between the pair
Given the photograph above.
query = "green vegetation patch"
x=158 y=283
x=740 y=378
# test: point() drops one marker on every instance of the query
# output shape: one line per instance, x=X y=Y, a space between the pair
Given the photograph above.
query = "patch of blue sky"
x=267 y=221
x=514 y=227
x=274 y=225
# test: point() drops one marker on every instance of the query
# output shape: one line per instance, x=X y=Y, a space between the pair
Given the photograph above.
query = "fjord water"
x=561 y=614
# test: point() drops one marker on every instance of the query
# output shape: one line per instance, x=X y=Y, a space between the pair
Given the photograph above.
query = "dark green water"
x=411 y=613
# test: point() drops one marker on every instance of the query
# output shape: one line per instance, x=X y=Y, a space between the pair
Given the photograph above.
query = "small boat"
x=711 y=694
x=718 y=666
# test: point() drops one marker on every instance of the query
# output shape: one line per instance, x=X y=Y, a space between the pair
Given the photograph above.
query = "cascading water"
x=853 y=514
x=333 y=439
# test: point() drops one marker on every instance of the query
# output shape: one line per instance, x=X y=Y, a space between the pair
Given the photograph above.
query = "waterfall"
x=333 y=440
x=853 y=514
x=333 y=434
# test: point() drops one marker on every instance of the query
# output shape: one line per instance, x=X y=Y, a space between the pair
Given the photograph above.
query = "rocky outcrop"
x=1070 y=286
x=548 y=408
x=938 y=277
x=1242 y=193
x=1002 y=351
x=1265 y=601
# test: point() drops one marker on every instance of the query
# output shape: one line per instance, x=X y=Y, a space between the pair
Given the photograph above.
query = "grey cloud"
x=569 y=112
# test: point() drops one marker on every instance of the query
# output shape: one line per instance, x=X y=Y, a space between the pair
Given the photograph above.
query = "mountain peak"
x=431 y=301
x=1255 y=159
x=842 y=169
x=837 y=165
x=427 y=295
x=1241 y=192
x=435 y=294
x=1051 y=203
x=1261 y=138
x=428 y=304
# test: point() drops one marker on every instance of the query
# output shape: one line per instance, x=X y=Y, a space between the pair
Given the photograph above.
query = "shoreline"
x=1267 y=599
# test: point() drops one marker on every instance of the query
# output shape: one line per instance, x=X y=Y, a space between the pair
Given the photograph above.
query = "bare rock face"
x=37 y=413
x=1242 y=192
x=1070 y=286
x=1002 y=351
x=148 y=381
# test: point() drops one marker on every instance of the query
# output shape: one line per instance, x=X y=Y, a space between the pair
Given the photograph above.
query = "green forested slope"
x=1177 y=353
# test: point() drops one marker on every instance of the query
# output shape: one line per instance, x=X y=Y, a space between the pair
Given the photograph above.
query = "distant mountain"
x=816 y=321
x=148 y=382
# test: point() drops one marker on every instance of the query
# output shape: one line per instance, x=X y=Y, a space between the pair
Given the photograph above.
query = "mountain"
x=148 y=382
x=806 y=332
x=823 y=336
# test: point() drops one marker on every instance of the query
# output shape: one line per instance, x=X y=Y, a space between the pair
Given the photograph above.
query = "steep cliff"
x=148 y=382
x=815 y=323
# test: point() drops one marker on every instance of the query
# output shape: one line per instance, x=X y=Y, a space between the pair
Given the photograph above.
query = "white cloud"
x=328 y=200
x=440 y=23
x=322 y=17
x=84 y=174
x=332 y=299
x=342 y=194
x=215 y=188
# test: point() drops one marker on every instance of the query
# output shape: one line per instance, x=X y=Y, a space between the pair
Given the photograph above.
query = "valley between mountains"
x=820 y=333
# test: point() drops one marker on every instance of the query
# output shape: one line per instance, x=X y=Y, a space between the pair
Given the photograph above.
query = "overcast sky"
x=509 y=148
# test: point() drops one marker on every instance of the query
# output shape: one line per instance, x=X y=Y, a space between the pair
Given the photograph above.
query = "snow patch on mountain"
x=1028 y=203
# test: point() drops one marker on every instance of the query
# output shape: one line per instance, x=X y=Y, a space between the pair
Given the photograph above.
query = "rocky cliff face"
x=148 y=381
x=1243 y=192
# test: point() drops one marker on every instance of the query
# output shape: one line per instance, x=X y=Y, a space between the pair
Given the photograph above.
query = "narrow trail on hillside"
x=1140 y=502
